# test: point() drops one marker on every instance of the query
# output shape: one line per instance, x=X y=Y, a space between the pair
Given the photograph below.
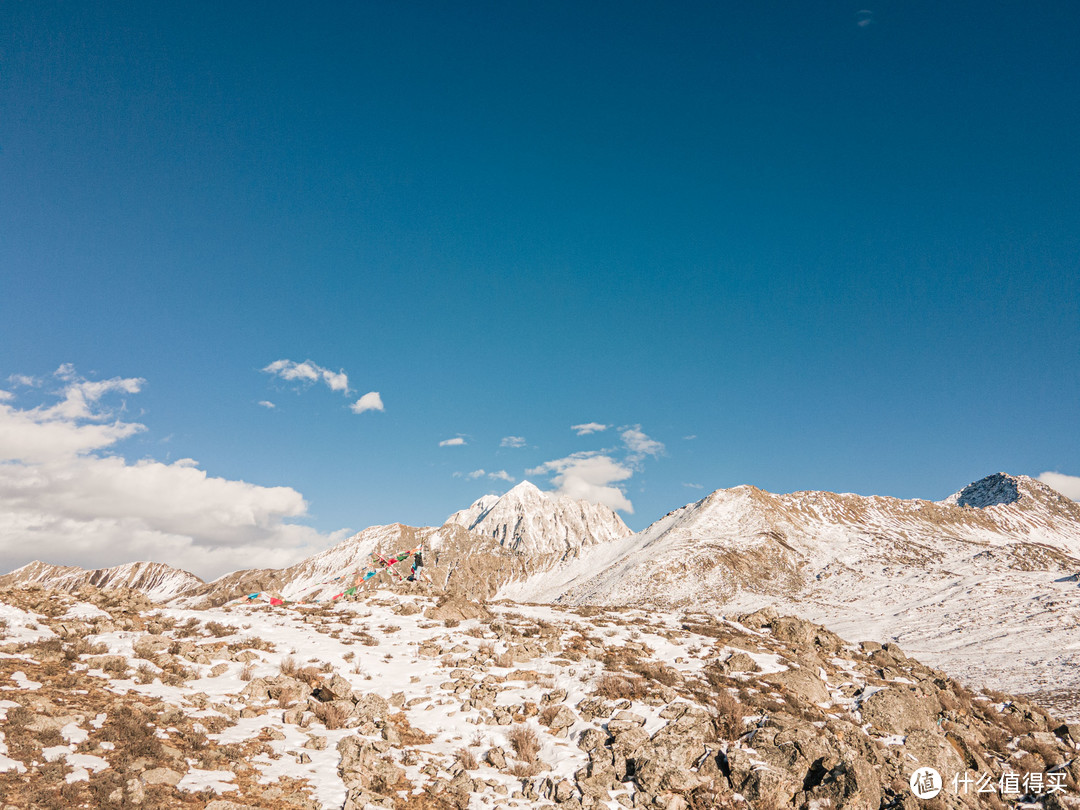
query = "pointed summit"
x=1003 y=490
x=526 y=489
x=993 y=490
x=528 y=520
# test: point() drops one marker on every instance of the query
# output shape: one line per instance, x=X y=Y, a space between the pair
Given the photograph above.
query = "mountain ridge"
x=958 y=580
x=159 y=581
x=530 y=521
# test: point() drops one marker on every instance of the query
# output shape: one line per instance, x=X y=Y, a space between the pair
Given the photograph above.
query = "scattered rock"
x=457 y=608
x=161 y=776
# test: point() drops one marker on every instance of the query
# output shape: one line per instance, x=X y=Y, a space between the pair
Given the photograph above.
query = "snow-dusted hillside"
x=497 y=540
x=158 y=581
x=420 y=703
x=453 y=558
x=746 y=539
x=982 y=583
x=968 y=582
x=529 y=521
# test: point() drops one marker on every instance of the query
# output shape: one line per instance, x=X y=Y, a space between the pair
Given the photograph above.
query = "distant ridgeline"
x=382 y=571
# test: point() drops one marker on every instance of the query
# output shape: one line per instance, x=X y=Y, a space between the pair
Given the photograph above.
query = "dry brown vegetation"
x=522 y=770
x=288 y=666
x=525 y=742
x=333 y=715
x=410 y=736
x=621 y=687
x=657 y=672
x=467 y=759
x=547 y=714
x=219 y=630
x=728 y=715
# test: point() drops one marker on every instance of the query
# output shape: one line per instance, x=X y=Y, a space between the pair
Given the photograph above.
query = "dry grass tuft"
x=131 y=734
x=467 y=759
x=618 y=687
x=410 y=736
x=333 y=715
x=656 y=671
x=145 y=674
x=728 y=715
x=289 y=666
x=115 y=665
x=523 y=770
x=547 y=714
x=525 y=742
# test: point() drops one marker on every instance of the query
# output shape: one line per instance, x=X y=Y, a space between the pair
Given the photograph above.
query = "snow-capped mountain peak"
x=526 y=489
x=1002 y=489
x=528 y=520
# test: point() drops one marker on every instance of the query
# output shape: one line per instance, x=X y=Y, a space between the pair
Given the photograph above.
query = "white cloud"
x=694 y=486
x=864 y=18
x=63 y=502
x=639 y=444
x=589 y=427
x=36 y=437
x=267 y=403
x=6 y=396
x=371 y=401
x=588 y=476
x=24 y=380
x=593 y=475
x=457 y=441
x=690 y=438
x=81 y=397
x=501 y=475
x=1067 y=485
x=310 y=373
x=512 y=441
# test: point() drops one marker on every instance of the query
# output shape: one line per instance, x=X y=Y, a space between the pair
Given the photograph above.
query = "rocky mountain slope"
x=746 y=539
x=529 y=521
x=477 y=550
x=410 y=701
x=453 y=557
x=970 y=583
x=982 y=584
x=156 y=580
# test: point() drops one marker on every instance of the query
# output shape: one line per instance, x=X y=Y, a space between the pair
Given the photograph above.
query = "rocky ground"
x=414 y=700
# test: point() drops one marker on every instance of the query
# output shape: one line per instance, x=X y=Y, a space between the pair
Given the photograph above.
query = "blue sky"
x=837 y=245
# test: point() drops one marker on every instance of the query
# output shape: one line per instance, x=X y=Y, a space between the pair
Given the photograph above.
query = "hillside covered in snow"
x=967 y=582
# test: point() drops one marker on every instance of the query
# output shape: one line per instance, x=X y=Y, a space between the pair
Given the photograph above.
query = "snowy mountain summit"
x=529 y=521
